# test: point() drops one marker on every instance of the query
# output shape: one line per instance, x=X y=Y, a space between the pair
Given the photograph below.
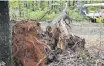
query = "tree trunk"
x=52 y=5
x=73 y=2
x=69 y=3
x=5 y=34
x=19 y=8
x=33 y=5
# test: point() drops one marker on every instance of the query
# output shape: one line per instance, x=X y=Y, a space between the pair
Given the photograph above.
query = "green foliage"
x=36 y=14
x=13 y=3
x=37 y=9
x=17 y=7
x=50 y=16
x=76 y=15
x=94 y=8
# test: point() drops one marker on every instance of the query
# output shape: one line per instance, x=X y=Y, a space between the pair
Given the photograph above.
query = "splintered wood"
x=27 y=49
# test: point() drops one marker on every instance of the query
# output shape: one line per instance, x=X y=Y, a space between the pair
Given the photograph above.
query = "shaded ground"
x=92 y=32
x=68 y=58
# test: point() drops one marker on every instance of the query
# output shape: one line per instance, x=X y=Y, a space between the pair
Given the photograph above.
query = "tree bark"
x=73 y=2
x=69 y=3
x=19 y=8
x=5 y=34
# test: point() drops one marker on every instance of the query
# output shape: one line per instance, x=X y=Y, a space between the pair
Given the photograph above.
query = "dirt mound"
x=27 y=49
x=74 y=54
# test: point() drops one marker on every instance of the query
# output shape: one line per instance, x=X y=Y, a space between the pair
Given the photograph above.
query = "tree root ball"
x=26 y=46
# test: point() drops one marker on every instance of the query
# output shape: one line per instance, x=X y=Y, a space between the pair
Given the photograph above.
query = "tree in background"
x=5 y=34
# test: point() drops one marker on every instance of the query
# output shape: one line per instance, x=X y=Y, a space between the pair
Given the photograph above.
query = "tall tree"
x=5 y=34
x=73 y=2
x=19 y=8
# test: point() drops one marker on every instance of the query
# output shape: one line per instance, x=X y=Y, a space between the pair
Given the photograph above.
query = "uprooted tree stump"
x=27 y=49
x=75 y=43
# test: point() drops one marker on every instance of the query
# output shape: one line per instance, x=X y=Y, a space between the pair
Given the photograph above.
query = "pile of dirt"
x=27 y=48
x=70 y=58
x=75 y=54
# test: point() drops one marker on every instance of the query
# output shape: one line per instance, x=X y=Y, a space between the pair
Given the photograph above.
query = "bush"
x=76 y=15
x=50 y=16
x=36 y=14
